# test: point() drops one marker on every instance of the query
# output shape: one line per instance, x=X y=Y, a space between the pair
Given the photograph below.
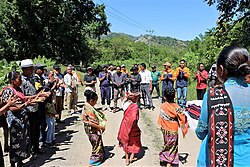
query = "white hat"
x=123 y=65
x=27 y=63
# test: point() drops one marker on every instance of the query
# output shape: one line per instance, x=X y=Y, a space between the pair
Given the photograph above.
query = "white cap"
x=123 y=65
x=27 y=63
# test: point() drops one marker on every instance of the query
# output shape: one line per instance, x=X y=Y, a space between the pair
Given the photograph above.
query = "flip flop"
x=133 y=160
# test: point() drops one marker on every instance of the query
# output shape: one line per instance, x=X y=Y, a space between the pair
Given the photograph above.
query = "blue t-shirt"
x=106 y=81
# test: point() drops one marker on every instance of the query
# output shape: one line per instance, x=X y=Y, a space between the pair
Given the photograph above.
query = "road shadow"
x=108 y=153
x=62 y=138
x=183 y=157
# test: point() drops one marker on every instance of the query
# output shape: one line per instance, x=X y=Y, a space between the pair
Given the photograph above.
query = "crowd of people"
x=223 y=125
x=33 y=101
x=31 y=105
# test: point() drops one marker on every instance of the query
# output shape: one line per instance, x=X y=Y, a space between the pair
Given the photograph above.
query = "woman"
x=90 y=80
x=17 y=120
x=224 y=122
x=10 y=103
x=94 y=125
x=129 y=135
x=201 y=76
x=170 y=118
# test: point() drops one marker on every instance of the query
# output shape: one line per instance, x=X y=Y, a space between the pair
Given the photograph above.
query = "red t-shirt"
x=201 y=82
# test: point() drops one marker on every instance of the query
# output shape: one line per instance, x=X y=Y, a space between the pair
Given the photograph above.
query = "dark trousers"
x=42 y=121
x=200 y=93
x=59 y=106
x=156 y=86
x=1 y=157
x=105 y=94
x=34 y=131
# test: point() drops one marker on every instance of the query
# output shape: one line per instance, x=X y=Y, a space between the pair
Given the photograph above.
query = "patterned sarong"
x=221 y=131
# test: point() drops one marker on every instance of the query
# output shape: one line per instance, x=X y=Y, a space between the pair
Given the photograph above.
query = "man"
x=168 y=77
x=40 y=85
x=59 y=92
x=112 y=71
x=118 y=81
x=134 y=80
x=126 y=73
x=146 y=86
x=105 y=79
x=70 y=82
x=201 y=77
x=155 y=81
x=28 y=88
x=182 y=75
x=90 y=79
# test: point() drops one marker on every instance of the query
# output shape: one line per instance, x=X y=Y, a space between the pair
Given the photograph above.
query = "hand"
x=102 y=128
x=11 y=102
x=56 y=115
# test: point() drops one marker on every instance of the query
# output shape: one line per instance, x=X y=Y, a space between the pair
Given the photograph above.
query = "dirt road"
x=75 y=149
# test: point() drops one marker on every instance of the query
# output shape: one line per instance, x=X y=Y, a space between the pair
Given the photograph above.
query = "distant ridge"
x=154 y=40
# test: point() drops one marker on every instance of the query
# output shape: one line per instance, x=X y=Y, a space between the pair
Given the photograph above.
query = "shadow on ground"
x=62 y=138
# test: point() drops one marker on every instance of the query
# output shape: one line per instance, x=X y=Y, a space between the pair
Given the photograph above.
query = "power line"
x=137 y=24
x=123 y=20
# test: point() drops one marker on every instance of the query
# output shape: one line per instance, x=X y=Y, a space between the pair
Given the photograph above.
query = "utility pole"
x=150 y=32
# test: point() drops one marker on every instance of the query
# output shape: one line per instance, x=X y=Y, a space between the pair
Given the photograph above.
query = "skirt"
x=169 y=153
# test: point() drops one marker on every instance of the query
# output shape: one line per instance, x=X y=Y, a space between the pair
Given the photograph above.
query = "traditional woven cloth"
x=221 y=129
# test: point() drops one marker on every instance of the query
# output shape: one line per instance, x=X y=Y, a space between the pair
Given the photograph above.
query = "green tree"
x=58 y=29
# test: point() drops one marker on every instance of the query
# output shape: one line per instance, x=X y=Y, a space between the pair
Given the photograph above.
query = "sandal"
x=127 y=162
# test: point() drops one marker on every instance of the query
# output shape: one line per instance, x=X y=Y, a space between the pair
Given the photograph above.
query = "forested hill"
x=154 y=40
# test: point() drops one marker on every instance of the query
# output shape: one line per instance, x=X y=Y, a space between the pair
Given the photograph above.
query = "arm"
x=202 y=128
x=102 y=78
x=204 y=76
x=138 y=79
x=173 y=76
x=186 y=73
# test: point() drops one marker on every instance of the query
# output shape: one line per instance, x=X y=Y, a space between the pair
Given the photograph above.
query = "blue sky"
x=181 y=19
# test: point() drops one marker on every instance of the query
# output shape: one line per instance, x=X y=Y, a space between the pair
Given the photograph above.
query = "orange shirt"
x=185 y=70
x=174 y=112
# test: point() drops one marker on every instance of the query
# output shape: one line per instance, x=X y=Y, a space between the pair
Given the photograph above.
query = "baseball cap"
x=104 y=66
x=123 y=65
x=153 y=66
x=89 y=68
x=167 y=64
x=56 y=67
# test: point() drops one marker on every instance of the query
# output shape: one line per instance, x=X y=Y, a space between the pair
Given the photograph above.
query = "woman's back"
x=239 y=92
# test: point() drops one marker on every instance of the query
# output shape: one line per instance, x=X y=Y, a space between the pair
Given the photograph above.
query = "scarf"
x=221 y=128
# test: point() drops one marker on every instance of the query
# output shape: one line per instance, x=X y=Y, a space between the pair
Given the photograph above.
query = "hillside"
x=154 y=40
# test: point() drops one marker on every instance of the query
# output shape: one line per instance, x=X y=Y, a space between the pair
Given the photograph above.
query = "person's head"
x=123 y=67
x=201 y=66
x=143 y=66
x=153 y=68
x=118 y=69
x=69 y=70
x=14 y=78
x=169 y=94
x=182 y=63
x=104 y=67
x=167 y=66
x=50 y=74
x=136 y=65
x=39 y=69
x=57 y=69
x=91 y=97
x=134 y=70
x=27 y=67
x=90 y=70
x=233 y=61
x=134 y=97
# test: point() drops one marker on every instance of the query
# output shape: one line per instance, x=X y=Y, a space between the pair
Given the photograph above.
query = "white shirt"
x=68 y=82
x=145 y=76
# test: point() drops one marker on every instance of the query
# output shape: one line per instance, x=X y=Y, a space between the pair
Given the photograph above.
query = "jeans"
x=51 y=129
x=182 y=94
